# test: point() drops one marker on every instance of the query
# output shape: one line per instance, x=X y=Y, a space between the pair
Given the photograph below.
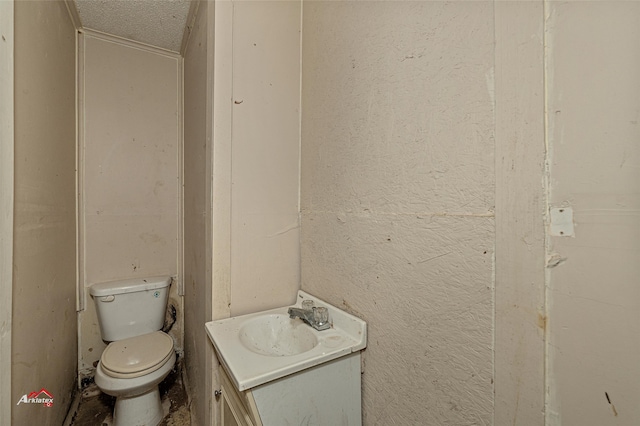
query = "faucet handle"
x=321 y=315
x=307 y=304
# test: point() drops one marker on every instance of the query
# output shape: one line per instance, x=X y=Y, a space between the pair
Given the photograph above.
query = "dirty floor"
x=95 y=408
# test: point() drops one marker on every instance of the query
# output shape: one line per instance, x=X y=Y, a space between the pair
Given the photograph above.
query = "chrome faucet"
x=316 y=317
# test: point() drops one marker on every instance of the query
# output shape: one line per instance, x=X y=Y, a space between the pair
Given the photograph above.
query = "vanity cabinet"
x=327 y=394
x=279 y=370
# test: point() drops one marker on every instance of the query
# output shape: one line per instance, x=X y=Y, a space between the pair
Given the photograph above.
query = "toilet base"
x=137 y=399
x=139 y=410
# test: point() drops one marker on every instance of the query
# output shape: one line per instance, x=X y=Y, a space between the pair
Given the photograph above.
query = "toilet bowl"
x=137 y=398
x=140 y=356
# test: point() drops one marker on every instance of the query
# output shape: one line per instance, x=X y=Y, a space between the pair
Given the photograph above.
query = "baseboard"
x=76 y=397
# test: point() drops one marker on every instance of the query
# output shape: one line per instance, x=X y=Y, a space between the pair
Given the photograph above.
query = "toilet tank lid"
x=129 y=286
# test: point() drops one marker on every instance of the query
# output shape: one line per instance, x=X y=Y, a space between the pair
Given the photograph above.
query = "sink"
x=277 y=335
x=264 y=346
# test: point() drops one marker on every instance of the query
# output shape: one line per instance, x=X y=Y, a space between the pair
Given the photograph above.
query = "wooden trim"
x=129 y=43
x=80 y=223
x=191 y=18
x=180 y=180
x=73 y=14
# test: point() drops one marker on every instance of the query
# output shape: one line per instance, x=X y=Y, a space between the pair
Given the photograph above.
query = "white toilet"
x=131 y=315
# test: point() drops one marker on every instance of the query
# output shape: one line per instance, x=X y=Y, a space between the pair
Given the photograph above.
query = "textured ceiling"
x=160 y=23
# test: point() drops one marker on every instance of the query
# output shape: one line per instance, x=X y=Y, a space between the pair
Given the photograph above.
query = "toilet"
x=139 y=356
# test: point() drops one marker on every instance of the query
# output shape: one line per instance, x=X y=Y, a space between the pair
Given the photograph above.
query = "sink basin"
x=277 y=335
x=264 y=346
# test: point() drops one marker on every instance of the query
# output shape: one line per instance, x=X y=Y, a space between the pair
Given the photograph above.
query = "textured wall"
x=594 y=298
x=129 y=172
x=397 y=197
x=44 y=348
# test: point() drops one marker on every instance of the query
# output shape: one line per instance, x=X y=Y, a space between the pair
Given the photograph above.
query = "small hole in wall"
x=561 y=210
x=561 y=232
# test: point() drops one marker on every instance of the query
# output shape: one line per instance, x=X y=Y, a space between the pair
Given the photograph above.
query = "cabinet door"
x=228 y=418
x=234 y=410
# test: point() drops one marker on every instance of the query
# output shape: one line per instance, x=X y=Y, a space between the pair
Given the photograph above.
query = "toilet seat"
x=137 y=356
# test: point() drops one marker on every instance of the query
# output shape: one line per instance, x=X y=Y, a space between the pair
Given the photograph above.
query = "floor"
x=95 y=408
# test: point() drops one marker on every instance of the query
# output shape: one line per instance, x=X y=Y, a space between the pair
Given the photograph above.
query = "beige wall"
x=241 y=191
x=6 y=206
x=197 y=213
x=265 y=155
x=405 y=107
x=264 y=41
x=420 y=120
x=129 y=172
x=593 y=73
x=44 y=348
x=397 y=197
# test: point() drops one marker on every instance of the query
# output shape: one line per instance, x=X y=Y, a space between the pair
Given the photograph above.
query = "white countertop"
x=248 y=369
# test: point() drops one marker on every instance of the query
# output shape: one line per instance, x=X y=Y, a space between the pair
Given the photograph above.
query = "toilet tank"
x=129 y=308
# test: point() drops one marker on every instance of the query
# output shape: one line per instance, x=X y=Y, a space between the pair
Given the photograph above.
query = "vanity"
x=297 y=364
